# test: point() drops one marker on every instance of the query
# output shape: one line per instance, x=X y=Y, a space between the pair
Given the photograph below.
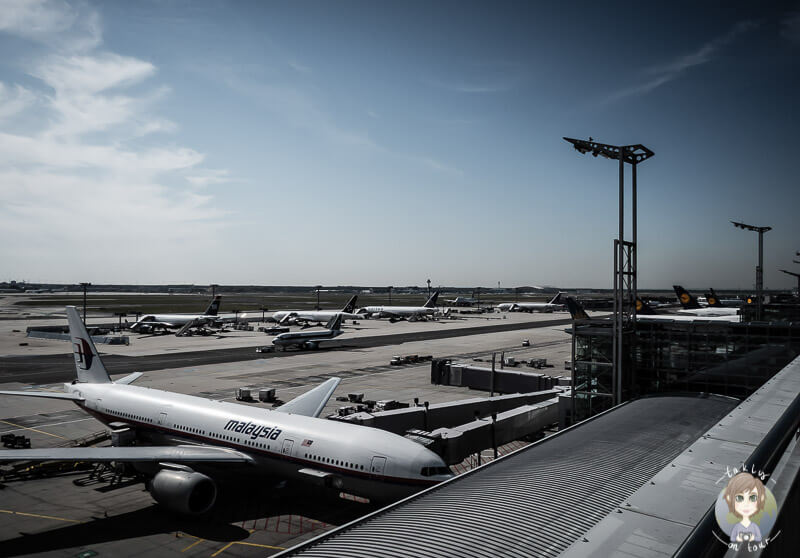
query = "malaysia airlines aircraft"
x=295 y=316
x=554 y=304
x=185 y=444
x=177 y=321
x=692 y=308
x=395 y=312
x=309 y=339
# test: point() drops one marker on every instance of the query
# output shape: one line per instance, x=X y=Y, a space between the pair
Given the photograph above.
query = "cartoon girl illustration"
x=745 y=496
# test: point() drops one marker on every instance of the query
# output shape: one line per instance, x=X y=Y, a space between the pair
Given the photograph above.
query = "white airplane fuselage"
x=312 y=315
x=398 y=311
x=363 y=461
x=174 y=321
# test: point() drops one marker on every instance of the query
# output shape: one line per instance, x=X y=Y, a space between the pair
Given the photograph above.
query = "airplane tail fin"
x=335 y=323
x=351 y=305
x=687 y=301
x=577 y=311
x=431 y=302
x=213 y=308
x=557 y=298
x=642 y=308
x=712 y=298
x=88 y=365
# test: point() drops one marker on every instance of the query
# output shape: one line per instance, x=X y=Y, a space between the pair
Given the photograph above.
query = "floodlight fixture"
x=751 y=227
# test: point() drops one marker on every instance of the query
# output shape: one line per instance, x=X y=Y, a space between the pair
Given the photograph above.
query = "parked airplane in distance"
x=692 y=308
x=152 y=322
x=309 y=339
x=399 y=312
x=644 y=313
x=319 y=316
x=183 y=442
x=554 y=304
x=717 y=302
x=464 y=300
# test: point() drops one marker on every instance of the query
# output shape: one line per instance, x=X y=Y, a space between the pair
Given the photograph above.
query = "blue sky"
x=386 y=143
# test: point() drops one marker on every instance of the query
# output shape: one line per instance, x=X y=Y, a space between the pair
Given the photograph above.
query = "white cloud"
x=664 y=73
x=52 y=22
x=207 y=177
x=14 y=100
x=60 y=188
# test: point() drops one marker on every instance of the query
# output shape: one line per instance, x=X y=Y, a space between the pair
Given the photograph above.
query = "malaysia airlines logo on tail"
x=83 y=354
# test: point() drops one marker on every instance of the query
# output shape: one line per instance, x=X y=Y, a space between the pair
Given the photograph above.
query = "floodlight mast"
x=760 y=267
x=633 y=155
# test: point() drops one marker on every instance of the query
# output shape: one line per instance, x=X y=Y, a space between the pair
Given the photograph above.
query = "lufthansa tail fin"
x=335 y=323
x=431 y=302
x=213 y=308
x=642 y=308
x=577 y=311
x=351 y=305
x=712 y=298
x=687 y=301
x=88 y=365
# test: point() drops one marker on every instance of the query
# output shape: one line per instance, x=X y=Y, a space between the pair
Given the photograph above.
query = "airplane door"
x=378 y=465
x=287 y=447
x=162 y=419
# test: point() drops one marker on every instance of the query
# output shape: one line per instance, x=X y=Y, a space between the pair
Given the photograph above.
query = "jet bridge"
x=458 y=429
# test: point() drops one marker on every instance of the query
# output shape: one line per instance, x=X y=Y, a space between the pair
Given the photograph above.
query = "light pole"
x=760 y=267
x=429 y=288
x=85 y=287
x=213 y=289
x=390 y=295
x=318 y=287
x=625 y=269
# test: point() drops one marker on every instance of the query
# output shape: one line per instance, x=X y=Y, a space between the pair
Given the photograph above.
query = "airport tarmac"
x=62 y=519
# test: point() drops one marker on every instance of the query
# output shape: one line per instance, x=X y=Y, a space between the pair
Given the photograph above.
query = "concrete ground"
x=70 y=513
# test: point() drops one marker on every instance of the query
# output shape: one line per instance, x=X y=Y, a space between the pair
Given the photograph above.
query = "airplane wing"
x=288 y=316
x=171 y=454
x=46 y=394
x=311 y=403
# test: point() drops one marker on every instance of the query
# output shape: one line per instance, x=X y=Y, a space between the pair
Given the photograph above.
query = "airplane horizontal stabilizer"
x=171 y=454
x=311 y=403
x=130 y=378
x=46 y=394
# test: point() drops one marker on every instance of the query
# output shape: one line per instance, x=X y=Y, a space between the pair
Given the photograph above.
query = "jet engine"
x=183 y=491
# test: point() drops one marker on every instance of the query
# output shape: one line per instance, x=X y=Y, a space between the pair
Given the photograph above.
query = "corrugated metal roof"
x=658 y=517
x=539 y=500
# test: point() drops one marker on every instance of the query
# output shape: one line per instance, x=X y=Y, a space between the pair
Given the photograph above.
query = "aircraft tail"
x=577 y=311
x=213 y=308
x=431 y=302
x=642 y=308
x=335 y=323
x=687 y=300
x=712 y=298
x=557 y=299
x=88 y=365
x=351 y=305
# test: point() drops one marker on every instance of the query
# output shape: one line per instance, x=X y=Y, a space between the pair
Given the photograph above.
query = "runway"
x=49 y=369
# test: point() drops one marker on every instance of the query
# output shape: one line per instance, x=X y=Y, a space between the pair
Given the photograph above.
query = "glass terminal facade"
x=731 y=359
